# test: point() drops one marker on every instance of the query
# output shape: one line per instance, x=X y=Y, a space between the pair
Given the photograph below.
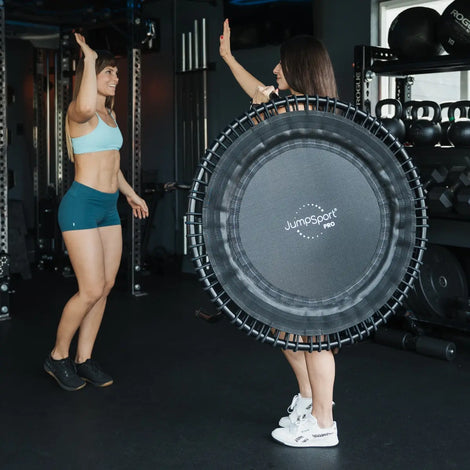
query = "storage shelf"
x=452 y=230
x=437 y=64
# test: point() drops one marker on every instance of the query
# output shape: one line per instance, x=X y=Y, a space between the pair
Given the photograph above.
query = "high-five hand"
x=224 y=49
x=86 y=49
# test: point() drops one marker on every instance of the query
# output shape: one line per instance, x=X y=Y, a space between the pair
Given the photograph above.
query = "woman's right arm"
x=248 y=82
x=83 y=108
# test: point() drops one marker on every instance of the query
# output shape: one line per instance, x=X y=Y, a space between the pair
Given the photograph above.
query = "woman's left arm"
x=139 y=206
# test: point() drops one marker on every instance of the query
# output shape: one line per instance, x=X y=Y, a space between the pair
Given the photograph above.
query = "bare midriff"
x=98 y=170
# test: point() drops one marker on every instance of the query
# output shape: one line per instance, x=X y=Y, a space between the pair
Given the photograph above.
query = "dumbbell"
x=426 y=345
x=434 y=347
x=441 y=199
x=462 y=201
x=437 y=175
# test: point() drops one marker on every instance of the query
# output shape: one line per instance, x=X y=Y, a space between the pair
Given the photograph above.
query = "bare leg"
x=111 y=238
x=86 y=255
x=298 y=363
x=321 y=371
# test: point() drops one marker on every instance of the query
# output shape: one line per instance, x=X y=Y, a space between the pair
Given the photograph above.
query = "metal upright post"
x=63 y=167
x=40 y=149
x=362 y=76
x=64 y=173
x=135 y=157
x=4 y=257
x=403 y=87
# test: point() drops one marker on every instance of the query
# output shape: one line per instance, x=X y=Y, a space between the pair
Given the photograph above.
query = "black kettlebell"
x=424 y=132
x=458 y=132
x=394 y=125
x=445 y=124
x=407 y=117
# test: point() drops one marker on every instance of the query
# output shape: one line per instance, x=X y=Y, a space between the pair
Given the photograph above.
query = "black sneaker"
x=91 y=372
x=64 y=371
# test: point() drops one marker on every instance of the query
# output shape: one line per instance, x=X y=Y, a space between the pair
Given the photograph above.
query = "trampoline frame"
x=195 y=236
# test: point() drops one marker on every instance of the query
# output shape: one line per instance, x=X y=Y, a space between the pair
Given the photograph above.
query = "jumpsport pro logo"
x=312 y=221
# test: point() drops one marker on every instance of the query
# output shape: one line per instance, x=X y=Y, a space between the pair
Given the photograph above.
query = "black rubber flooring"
x=193 y=395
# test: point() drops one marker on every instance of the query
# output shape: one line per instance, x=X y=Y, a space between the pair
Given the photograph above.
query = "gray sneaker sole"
x=61 y=385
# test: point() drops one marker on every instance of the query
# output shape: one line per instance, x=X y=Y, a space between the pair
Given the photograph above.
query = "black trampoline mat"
x=309 y=222
x=319 y=208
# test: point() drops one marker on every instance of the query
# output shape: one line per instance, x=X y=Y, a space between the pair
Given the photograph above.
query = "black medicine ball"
x=454 y=28
x=413 y=34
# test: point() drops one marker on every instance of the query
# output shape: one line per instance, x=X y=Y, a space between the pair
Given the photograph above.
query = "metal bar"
x=204 y=54
x=362 y=76
x=196 y=45
x=177 y=79
x=204 y=86
x=183 y=53
x=190 y=51
x=135 y=158
x=64 y=170
x=442 y=63
x=64 y=173
x=39 y=142
x=403 y=89
x=3 y=139
x=4 y=258
x=48 y=121
x=57 y=162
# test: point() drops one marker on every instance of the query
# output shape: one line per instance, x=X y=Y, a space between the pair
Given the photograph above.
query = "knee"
x=92 y=294
x=108 y=285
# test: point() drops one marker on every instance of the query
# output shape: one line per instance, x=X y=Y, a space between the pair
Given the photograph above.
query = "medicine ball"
x=454 y=28
x=413 y=33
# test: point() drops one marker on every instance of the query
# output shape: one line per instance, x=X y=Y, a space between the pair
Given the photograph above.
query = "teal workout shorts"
x=83 y=207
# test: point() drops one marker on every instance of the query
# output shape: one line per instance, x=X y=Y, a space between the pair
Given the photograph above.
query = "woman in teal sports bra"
x=88 y=216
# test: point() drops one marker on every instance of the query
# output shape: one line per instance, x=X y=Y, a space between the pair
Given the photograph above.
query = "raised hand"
x=224 y=48
x=86 y=49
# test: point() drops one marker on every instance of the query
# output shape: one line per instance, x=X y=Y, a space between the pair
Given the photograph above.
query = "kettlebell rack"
x=444 y=170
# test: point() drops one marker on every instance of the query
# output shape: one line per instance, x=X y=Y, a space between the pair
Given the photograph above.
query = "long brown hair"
x=104 y=59
x=307 y=66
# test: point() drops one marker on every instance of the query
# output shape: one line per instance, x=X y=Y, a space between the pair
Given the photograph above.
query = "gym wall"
x=342 y=24
x=226 y=100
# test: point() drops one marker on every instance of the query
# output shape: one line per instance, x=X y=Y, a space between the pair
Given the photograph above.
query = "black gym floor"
x=194 y=395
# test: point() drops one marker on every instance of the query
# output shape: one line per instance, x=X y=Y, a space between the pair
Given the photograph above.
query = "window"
x=439 y=87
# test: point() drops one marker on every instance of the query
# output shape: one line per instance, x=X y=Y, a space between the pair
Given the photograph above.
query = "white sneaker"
x=297 y=410
x=307 y=433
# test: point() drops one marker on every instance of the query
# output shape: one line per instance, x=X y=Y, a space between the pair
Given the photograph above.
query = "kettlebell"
x=394 y=125
x=458 y=132
x=407 y=118
x=424 y=132
x=445 y=124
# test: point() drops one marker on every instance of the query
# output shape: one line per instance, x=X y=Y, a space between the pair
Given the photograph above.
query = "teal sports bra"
x=102 y=137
